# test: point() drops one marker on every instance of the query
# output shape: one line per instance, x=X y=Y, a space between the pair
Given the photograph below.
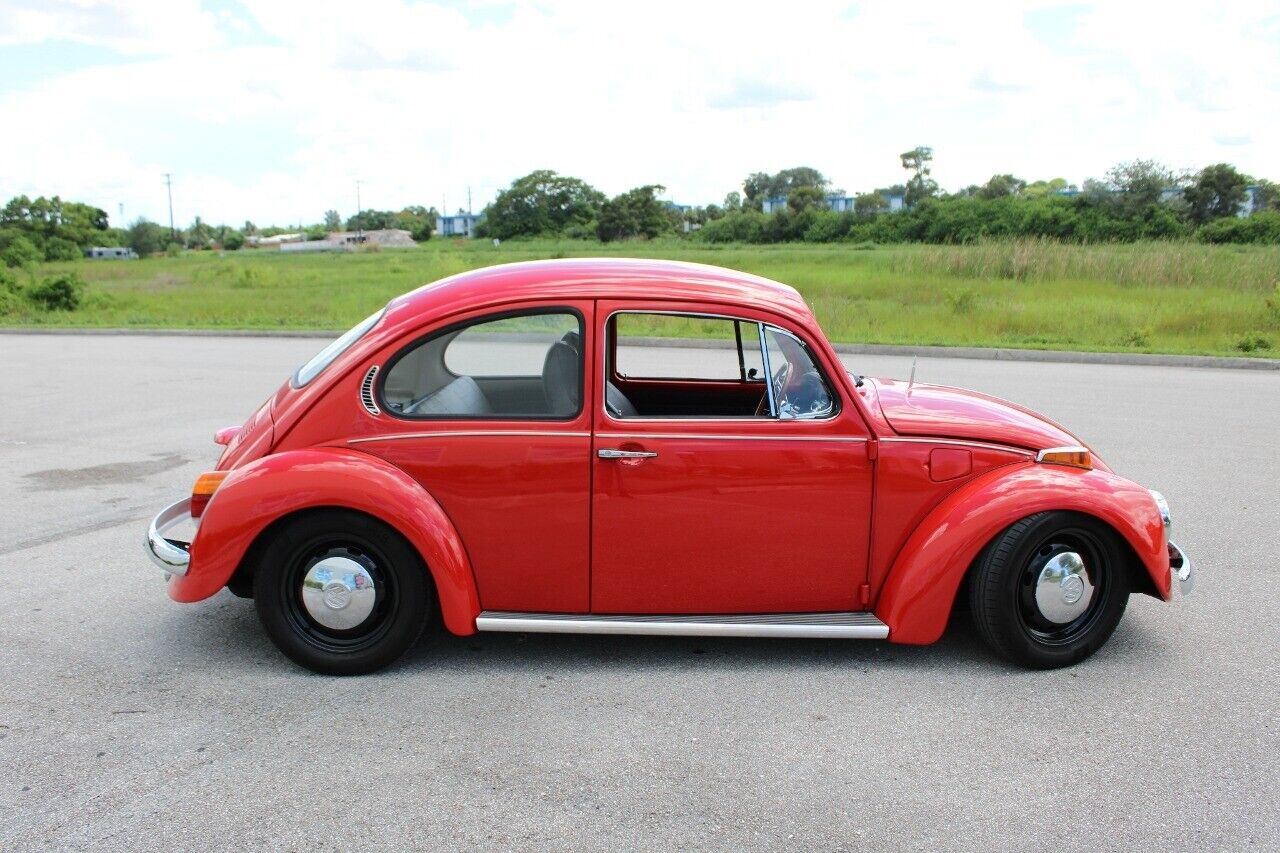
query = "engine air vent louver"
x=366 y=391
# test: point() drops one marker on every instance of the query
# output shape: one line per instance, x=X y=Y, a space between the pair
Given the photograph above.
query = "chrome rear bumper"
x=169 y=554
x=1180 y=569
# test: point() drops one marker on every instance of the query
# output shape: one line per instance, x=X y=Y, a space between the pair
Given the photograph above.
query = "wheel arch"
x=920 y=592
x=256 y=499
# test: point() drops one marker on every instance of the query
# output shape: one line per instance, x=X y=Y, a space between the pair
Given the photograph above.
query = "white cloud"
x=271 y=110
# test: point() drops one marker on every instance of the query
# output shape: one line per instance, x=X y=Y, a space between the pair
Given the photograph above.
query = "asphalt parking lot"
x=128 y=721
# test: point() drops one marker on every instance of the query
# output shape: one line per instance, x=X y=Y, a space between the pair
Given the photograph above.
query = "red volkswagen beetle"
x=644 y=447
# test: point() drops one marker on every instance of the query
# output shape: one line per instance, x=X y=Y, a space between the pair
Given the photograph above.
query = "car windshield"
x=326 y=356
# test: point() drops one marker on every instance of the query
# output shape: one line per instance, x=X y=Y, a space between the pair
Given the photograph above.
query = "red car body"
x=882 y=508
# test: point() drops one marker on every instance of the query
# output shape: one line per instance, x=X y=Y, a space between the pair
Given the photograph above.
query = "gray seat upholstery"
x=561 y=375
x=617 y=403
x=460 y=397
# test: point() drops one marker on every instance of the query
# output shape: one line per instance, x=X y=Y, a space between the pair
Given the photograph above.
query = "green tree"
x=1040 y=189
x=760 y=186
x=1001 y=186
x=332 y=221
x=869 y=204
x=61 y=249
x=419 y=221
x=920 y=186
x=542 y=203
x=146 y=237
x=1216 y=191
x=806 y=198
x=21 y=252
x=1135 y=185
x=232 y=240
x=199 y=235
x=635 y=213
x=733 y=202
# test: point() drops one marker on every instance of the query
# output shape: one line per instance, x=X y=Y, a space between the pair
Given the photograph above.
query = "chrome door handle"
x=605 y=453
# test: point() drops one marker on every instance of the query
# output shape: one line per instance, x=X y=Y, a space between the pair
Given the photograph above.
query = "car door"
x=711 y=514
x=492 y=417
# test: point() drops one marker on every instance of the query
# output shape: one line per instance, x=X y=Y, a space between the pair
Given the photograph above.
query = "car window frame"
x=458 y=327
x=609 y=372
x=738 y=338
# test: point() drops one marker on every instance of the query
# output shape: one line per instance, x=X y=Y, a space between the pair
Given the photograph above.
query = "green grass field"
x=1147 y=297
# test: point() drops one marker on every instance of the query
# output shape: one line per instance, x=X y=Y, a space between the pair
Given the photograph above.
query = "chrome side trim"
x=1181 y=569
x=366 y=392
x=164 y=553
x=400 y=436
x=720 y=437
x=1067 y=448
x=960 y=442
x=858 y=626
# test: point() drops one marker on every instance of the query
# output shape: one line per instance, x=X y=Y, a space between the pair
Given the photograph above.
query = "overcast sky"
x=270 y=111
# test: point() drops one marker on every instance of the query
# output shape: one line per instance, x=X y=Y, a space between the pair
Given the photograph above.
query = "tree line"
x=1134 y=200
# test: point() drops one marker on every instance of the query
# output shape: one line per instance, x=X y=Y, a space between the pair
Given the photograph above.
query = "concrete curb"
x=980 y=353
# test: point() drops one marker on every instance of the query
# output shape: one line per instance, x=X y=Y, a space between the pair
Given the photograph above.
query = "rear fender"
x=921 y=588
x=261 y=492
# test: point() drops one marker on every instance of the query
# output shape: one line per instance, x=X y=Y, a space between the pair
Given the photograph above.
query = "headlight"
x=1163 y=506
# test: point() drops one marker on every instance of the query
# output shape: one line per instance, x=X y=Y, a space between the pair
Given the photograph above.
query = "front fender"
x=254 y=496
x=921 y=588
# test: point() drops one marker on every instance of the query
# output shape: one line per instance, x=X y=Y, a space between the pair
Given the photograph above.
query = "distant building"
x=274 y=241
x=837 y=203
x=458 y=225
x=110 y=253
x=391 y=238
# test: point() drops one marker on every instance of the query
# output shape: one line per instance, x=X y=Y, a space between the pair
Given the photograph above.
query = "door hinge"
x=864 y=595
x=873 y=449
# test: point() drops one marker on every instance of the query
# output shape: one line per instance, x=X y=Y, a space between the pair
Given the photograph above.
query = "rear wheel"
x=1050 y=590
x=341 y=593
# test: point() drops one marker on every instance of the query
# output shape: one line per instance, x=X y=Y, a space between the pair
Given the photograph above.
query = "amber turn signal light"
x=206 y=485
x=1076 y=457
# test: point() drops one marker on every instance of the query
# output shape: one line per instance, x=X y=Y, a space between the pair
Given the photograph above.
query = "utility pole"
x=468 y=201
x=359 y=221
x=120 y=205
x=168 y=185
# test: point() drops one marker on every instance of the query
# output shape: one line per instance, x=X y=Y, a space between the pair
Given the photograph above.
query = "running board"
x=858 y=626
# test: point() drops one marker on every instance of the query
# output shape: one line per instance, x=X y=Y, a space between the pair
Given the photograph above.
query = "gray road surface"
x=127 y=721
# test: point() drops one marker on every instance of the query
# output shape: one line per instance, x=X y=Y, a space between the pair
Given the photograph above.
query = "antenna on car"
x=911 y=381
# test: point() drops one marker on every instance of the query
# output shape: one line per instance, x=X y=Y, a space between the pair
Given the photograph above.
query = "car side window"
x=672 y=365
x=800 y=392
x=525 y=365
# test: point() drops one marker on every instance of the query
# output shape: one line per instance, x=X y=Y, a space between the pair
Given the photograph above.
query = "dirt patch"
x=112 y=473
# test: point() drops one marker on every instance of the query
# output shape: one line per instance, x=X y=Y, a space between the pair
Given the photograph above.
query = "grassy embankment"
x=1147 y=297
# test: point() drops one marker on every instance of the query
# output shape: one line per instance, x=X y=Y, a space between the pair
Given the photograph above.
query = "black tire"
x=1003 y=583
x=402 y=592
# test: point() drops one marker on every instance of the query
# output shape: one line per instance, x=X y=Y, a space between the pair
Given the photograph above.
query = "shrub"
x=10 y=292
x=173 y=250
x=58 y=293
x=1138 y=337
x=20 y=252
x=1273 y=303
x=1253 y=343
x=962 y=301
x=61 y=249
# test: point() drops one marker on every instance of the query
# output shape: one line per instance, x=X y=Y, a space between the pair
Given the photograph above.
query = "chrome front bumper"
x=169 y=554
x=1180 y=569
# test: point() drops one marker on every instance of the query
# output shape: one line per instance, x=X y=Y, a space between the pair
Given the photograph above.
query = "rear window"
x=326 y=356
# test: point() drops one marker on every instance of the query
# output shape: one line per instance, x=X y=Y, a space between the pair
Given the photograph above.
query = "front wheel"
x=1050 y=590
x=341 y=593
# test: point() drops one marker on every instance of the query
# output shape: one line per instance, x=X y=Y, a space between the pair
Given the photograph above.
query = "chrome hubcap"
x=1063 y=589
x=338 y=592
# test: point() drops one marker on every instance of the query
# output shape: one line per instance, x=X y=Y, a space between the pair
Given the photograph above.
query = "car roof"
x=600 y=278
